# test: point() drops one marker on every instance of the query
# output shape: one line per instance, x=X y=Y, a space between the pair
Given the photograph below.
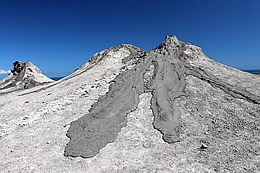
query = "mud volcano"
x=23 y=76
x=161 y=71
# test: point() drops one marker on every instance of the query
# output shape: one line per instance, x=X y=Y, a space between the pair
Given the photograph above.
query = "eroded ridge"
x=161 y=71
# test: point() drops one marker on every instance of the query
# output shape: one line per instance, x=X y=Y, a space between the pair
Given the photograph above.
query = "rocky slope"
x=23 y=76
x=170 y=109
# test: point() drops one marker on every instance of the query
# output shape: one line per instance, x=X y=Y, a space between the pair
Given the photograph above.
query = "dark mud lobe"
x=159 y=71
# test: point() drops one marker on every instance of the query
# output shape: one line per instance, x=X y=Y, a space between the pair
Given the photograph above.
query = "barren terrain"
x=218 y=130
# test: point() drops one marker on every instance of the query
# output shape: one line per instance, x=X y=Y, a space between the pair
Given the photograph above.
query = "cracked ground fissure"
x=161 y=72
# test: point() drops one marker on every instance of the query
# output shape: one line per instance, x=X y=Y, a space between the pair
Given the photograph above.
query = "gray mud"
x=161 y=71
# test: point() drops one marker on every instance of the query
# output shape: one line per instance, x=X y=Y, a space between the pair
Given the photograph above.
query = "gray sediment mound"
x=23 y=76
x=162 y=72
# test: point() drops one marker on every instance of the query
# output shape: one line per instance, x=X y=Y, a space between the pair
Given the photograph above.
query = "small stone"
x=25 y=118
x=203 y=146
x=206 y=133
x=147 y=144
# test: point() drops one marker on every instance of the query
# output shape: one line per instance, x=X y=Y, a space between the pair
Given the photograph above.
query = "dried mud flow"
x=161 y=71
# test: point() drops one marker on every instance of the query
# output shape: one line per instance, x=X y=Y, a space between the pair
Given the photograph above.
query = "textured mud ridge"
x=160 y=71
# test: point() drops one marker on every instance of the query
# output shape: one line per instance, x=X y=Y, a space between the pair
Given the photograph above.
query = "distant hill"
x=253 y=71
x=23 y=76
x=56 y=78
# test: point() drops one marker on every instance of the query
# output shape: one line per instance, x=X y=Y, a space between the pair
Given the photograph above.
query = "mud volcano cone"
x=161 y=72
x=23 y=76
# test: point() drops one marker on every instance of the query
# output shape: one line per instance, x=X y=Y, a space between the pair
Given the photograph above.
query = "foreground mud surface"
x=216 y=115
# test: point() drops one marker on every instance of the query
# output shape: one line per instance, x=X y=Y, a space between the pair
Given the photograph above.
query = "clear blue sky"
x=60 y=35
